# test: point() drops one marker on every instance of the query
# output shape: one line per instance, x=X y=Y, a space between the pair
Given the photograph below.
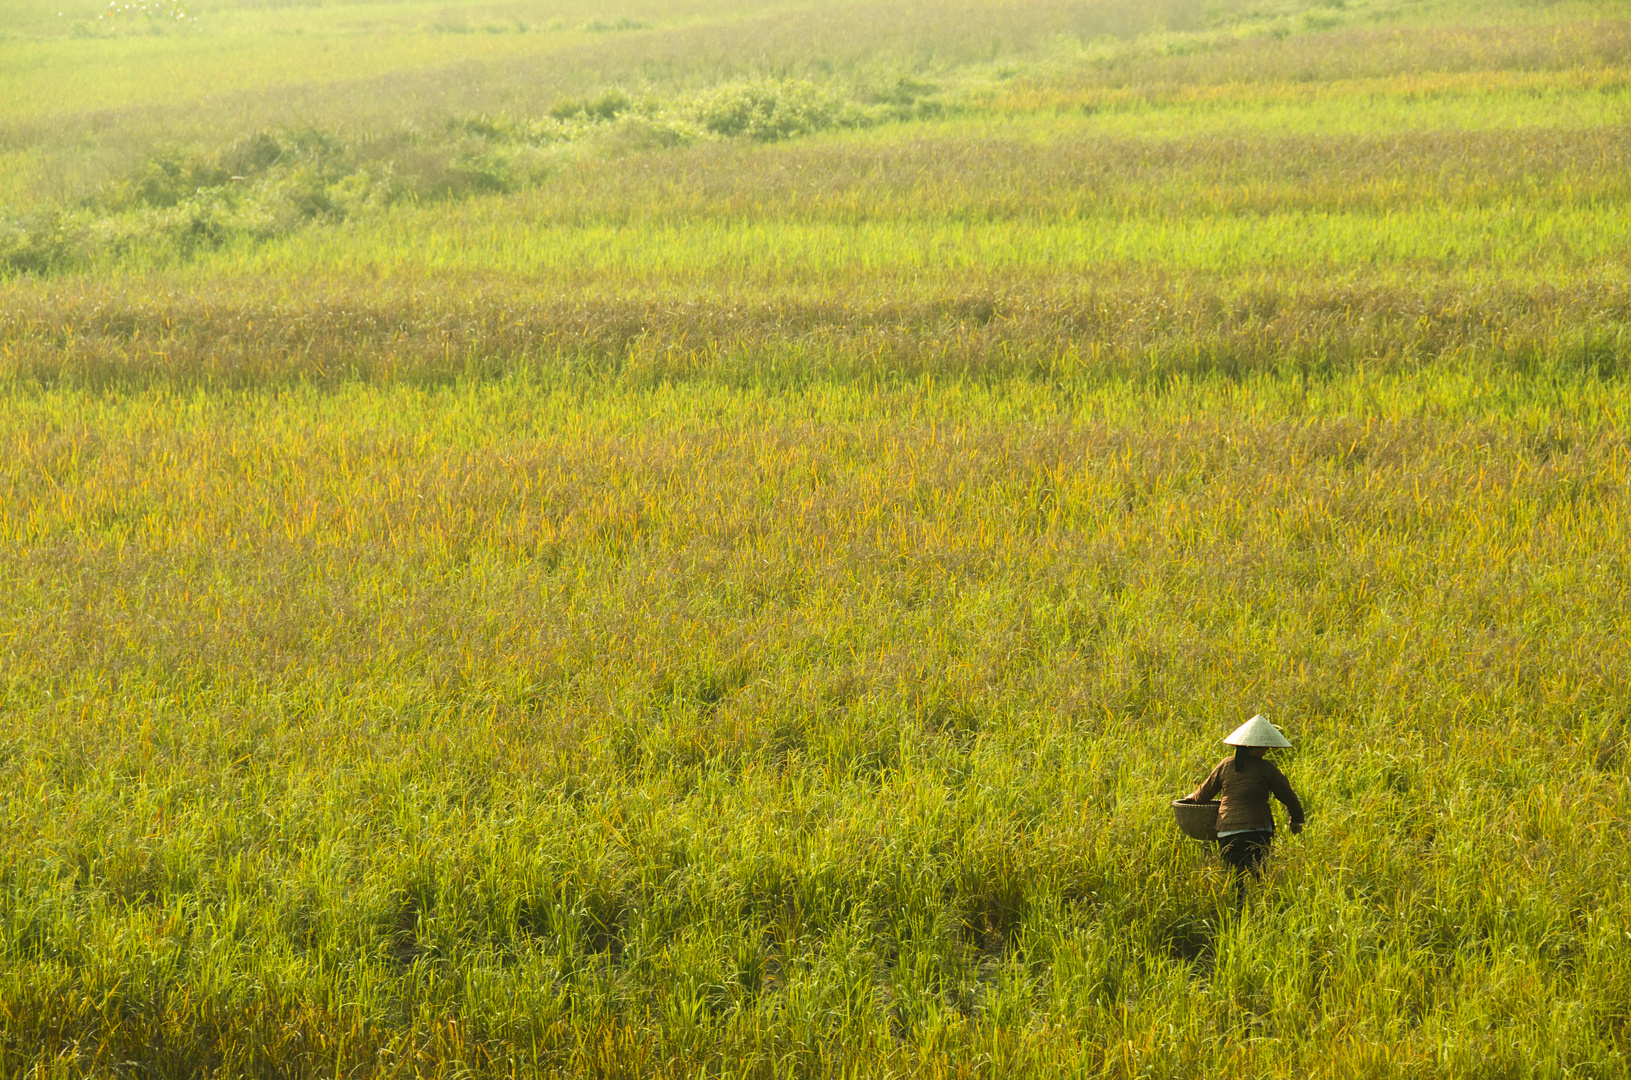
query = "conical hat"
x=1257 y=732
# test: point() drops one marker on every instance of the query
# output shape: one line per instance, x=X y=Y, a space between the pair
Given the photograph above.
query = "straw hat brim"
x=1257 y=732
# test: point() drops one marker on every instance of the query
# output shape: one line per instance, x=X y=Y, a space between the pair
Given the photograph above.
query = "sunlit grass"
x=1438 y=102
x=181 y=69
x=781 y=253
x=810 y=726
x=741 y=609
x=226 y=49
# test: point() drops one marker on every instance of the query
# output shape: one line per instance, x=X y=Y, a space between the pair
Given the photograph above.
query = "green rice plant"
x=738 y=602
x=557 y=739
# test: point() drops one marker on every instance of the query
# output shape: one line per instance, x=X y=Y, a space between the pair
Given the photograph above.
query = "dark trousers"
x=1244 y=850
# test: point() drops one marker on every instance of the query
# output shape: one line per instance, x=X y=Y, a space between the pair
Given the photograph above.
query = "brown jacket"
x=1245 y=803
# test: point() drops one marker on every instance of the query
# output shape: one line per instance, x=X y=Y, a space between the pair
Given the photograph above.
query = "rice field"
x=739 y=604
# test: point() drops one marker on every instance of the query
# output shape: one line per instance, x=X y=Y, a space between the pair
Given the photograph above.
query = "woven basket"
x=1199 y=820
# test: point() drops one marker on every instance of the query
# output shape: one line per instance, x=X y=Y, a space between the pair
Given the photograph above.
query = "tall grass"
x=597 y=727
x=89 y=109
x=1247 y=128
x=741 y=608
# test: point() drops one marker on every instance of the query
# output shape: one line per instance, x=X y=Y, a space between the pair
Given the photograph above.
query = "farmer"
x=1247 y=779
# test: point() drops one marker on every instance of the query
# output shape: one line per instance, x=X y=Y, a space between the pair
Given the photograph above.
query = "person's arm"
x=1282 y=791
x=1210 y=786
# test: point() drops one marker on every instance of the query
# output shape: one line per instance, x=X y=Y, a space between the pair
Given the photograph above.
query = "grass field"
x=699 y=538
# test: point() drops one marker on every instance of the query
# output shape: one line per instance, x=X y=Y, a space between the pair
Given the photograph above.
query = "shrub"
x=767 y=111
x=609 y=105
x=37 y=246
x=635 y=133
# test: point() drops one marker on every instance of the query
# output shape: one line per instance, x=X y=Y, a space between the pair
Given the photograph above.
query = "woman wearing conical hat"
x=1245 y=780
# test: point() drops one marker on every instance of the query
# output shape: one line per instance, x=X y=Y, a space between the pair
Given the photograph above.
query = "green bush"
x=39 y=245
x=174 y=205
x=635 y=133
x=767 y=111
x=609 y=105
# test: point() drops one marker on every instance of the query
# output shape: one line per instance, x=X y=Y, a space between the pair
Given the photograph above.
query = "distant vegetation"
x=172 y=206
x=698 y=538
